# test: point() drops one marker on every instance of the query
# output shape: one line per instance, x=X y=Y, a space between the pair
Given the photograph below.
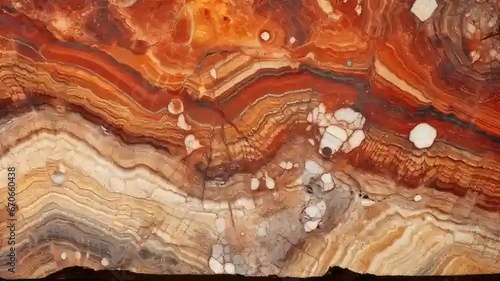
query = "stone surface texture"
x=251 y=137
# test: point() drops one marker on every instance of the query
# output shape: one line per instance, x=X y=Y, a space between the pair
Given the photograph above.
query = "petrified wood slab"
x=250 y=137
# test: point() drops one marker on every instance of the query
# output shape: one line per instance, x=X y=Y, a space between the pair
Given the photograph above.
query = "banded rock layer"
x=250 y=137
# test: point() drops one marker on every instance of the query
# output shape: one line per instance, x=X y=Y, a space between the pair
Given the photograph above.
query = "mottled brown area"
x=250 y=137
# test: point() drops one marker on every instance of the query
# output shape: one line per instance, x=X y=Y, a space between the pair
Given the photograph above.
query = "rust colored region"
x=250 y=137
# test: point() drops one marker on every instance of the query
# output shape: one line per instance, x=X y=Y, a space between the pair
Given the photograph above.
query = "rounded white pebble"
x=58 y=177
x=215 y=266
x=417 y=198
x=229 y=268
x=423 y=135
x=265 y=36
x=78 y=255
x=104 y=262
x=254 y=183
x=63 y=255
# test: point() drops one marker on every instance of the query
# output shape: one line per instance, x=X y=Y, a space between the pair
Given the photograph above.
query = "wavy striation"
x=250 y=137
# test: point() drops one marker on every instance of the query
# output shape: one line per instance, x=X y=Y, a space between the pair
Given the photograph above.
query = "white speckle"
x=423 y=135
x=313 y=167
x=104 y=262
x=286 y=165
x=191 y=144
x=58 y=177
x=104 y=130
x=229 y=268
x=295 y=165
x=220 y=224
x=175 y=106
x=358 y=9
x=78 y=255
x=333 y=137
x=265 y=36
x=254 y=183
x=215 y=266
x=181 y=123
x=423 y=9
x=213 y=73
x=63 y=255
x=292 y=40
x=311 y=225
x=417 y=198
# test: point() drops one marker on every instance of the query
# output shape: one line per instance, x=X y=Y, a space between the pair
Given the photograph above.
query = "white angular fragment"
x=220 y=224
x=423 y=135
x=265 y=36
x=313 y=212
x=367 y=202
x=254 y=183
x=292 y=40
x=326 y=178
x=289 y=165
x=313 y=116
x=354 y=141
x=181 y=123
x=282 y=164
x=311 y=141
x=323 y=120
x=229 y=268
x=334 y=137
x=213 y=73
x=191 y=144
x=311 y=225
x=328 y=186
x=423 y=9
x=417 y=198
x=215 y=266
x=175 y=106
x=345 y=114
x=313 y=167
